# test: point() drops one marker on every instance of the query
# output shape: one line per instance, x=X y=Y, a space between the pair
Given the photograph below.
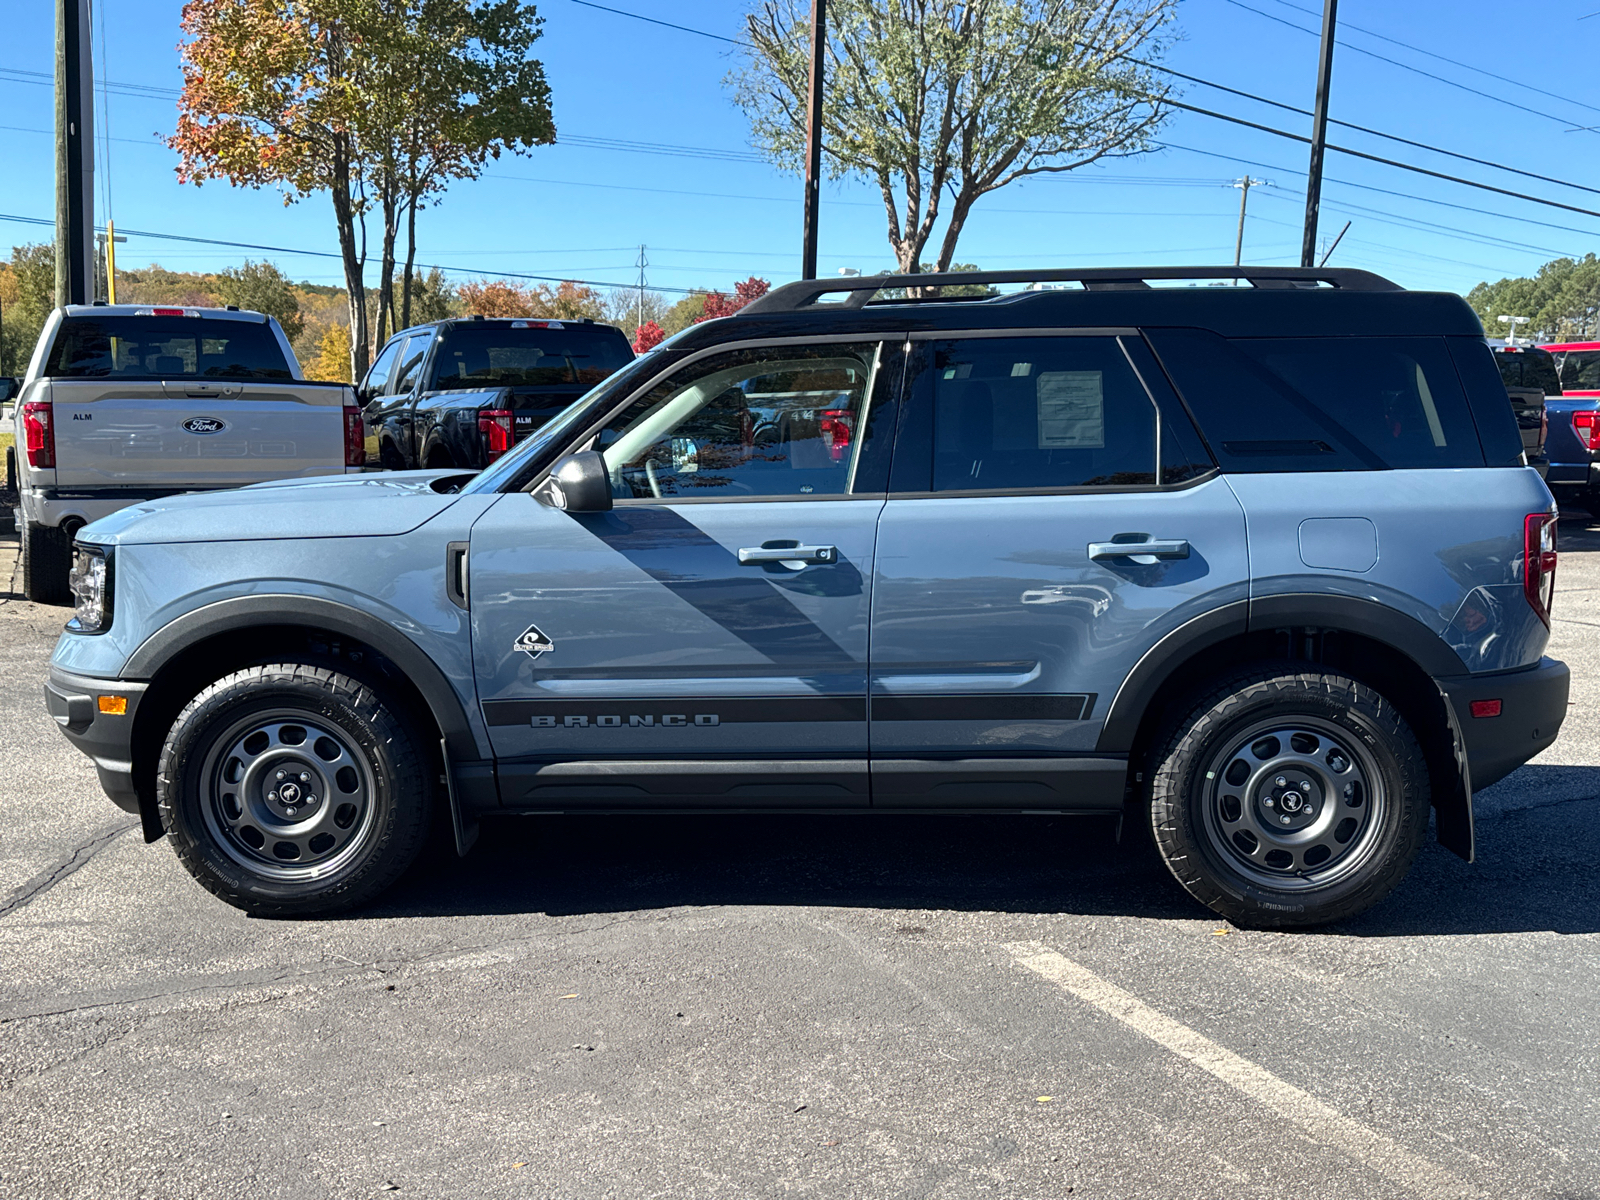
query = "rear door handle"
x=1145 y=553
x=788 y=555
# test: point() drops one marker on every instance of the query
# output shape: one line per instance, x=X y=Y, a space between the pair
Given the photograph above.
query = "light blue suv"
x=1259 y=566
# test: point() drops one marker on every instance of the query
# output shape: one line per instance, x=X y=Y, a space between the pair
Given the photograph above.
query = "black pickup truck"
x=461 y=392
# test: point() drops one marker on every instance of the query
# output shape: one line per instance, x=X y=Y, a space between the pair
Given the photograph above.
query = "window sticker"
x=1072 y=410
x=1020 y=369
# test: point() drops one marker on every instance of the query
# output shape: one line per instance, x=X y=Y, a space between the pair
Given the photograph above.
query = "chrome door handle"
x=788 y=555
x=1145 y=553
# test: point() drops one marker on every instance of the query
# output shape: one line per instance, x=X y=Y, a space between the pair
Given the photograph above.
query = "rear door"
x=704 y=643
x=1052 y=516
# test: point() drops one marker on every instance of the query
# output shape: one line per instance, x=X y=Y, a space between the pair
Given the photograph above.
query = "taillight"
x=1587 y=426
x=1539 y=561
x=40 y=430
x=495 y=425
x=835 y=427
x=355 y=438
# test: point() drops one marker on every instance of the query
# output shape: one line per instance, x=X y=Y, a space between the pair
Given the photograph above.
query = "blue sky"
x=578 y=210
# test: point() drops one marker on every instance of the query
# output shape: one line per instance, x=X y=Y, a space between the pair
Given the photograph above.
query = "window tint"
x=1323 y=404
x=528 y=354
x=1580 y=370
x=777 y=422
x=411 y=362
x=113 y=347
x=1039 y=413
x=1529 y=368
x=378 y=373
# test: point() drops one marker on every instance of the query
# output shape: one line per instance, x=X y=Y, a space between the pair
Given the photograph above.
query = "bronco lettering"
x=635 y=721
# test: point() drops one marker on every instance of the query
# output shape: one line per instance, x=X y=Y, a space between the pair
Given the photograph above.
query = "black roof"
x=1274 y=302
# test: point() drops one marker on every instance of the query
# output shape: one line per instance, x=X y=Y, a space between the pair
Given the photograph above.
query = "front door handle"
x=793 y=556
x=1146 y=551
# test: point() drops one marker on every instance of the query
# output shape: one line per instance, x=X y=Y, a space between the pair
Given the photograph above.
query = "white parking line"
x=1318 y=1120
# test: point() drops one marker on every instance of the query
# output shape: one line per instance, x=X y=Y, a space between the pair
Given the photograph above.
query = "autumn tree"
x=27 y=294
x=370 y=101
x=332 y=363
x=261 y=287
x=648 y=337
x=949 y=100
x=500 y=298
x=720 y=304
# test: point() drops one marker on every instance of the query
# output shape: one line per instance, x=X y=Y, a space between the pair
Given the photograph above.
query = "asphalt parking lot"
x=873 y=1007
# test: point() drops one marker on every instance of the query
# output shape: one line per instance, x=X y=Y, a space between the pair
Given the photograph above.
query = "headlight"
x=90 y=580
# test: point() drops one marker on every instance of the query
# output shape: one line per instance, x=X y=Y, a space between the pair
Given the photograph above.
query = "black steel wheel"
x=291 y=789
x=1283 y=799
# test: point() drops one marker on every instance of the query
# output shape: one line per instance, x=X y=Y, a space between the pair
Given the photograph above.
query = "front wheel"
x=293 y=790
x=1283 y=799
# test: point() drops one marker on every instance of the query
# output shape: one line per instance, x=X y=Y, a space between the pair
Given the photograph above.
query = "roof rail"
x=858 y=290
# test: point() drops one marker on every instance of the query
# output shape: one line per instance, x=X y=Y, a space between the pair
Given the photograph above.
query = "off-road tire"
x=1188 y=811
x=377 y=744
x=46 y=563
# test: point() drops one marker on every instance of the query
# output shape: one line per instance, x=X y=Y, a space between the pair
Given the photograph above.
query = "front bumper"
x=1533 y=703
x=106 y=737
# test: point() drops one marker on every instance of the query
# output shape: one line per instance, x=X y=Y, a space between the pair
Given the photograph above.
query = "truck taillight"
x=1587 y=426
x=495 y=425
x=40 y=430
x=355 y=438
x=835 y=427
x=1539 y=561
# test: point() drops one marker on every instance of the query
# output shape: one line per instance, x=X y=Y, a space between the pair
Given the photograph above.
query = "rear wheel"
x=46 y=563
x=1283 y=799
x=293 y=790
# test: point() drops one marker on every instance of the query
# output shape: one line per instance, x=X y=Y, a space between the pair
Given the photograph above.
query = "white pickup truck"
x=125 y=403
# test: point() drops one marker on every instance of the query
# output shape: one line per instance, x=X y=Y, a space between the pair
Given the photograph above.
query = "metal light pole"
x=1511 y=334
x=74 y=154
x=1319 y=135
x=813 y=198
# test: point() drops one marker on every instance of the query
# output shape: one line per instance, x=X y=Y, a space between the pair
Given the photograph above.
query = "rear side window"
x=117 y=347
x=1580 y=370
x=1323 y=404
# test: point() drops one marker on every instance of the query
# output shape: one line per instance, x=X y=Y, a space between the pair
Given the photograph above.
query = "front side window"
x=1038 y=412
x=378 y=373
x=778 y=421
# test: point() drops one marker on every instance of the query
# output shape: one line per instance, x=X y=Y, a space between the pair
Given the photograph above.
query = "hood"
x=375 y=505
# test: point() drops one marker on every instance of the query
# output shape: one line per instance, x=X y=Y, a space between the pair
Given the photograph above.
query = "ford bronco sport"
x=1261 y=567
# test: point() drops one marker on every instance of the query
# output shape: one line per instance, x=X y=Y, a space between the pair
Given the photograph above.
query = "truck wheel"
x=46 y=563
x=291 y=790
x=1281 y=799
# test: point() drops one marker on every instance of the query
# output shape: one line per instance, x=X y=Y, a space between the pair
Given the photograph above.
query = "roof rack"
x=858 y=290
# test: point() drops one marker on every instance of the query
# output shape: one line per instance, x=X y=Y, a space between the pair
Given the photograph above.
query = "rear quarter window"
x=1324 y=404
x=122 y=347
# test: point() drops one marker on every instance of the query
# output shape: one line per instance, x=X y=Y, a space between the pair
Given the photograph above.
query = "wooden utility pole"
x=74 y=154
x=1319 y=135
x=819 y=43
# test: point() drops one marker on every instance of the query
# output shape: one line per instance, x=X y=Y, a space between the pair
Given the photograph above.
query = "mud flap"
x=465 y=824
x=1452 y=797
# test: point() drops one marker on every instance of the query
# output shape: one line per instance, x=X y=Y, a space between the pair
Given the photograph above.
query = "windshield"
x=1580 y=370
x=527 y=354
x=555 y=432
x=1529 y=369
x=117 y=347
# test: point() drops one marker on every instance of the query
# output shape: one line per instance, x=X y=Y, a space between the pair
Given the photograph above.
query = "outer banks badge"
x=533 y=642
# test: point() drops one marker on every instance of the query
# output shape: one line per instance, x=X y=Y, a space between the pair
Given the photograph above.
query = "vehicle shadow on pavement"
x=1537 y=834
x=1577 y=532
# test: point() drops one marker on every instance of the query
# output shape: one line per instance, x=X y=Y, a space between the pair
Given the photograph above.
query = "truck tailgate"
x=194 y=434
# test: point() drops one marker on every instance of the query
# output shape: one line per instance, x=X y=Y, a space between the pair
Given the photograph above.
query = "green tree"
x=1559 y=299
x=432 y=298
x=261 y=287
x=954 y=99
x=27 y=293
x=686 y=312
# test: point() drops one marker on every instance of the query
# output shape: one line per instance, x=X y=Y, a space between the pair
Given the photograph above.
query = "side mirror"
x=579 y=483
x=9 y=387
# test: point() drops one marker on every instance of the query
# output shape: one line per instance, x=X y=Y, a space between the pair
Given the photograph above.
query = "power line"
x=1405 y=66
x=1442 y=58
x=144 y=90
x=654 y=21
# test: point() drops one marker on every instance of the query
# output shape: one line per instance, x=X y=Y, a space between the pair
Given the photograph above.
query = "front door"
x=704 y=644
x=1048 y=522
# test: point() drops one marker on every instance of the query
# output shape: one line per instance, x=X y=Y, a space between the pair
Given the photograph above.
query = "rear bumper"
x=1533 y=703
x=107 y=738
